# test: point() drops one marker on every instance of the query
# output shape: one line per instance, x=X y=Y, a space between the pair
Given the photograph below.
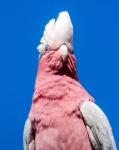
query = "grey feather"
x=28 y=136
x=98 y=127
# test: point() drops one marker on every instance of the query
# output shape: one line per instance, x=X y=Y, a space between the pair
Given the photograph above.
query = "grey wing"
x=98 y=127
x=28 y=136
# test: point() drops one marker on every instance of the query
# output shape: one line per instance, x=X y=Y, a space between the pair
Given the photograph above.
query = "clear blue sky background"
x=96 y=46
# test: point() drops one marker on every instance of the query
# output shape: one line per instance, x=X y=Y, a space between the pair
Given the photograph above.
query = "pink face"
x=51 y=61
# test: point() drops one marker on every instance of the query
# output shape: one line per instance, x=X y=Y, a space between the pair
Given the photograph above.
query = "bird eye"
x=47 y=49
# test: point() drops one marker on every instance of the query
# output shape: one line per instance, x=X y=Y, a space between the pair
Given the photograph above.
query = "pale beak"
x=64 y=51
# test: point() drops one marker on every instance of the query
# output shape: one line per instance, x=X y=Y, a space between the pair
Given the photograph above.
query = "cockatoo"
x=63 y=116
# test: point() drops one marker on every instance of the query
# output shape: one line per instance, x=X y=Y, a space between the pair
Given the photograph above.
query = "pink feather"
x=55 y=111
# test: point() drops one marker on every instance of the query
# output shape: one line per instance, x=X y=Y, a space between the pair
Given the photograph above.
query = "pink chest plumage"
x=56 y=116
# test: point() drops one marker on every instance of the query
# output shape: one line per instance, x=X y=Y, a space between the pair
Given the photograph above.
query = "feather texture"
x=28 y=136
x=98 y=124
x=57 y=33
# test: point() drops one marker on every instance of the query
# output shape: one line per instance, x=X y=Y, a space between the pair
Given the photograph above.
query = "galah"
x=63 y=115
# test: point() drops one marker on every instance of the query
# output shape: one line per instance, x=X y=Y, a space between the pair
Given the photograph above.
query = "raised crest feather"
x=57 y=33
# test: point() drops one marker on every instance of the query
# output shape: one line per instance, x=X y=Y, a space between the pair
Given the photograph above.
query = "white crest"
x=57 y=33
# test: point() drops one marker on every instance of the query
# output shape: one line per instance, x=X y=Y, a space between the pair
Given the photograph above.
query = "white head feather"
x=57 y=33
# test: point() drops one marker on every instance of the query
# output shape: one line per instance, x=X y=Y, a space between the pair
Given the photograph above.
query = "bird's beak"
x=64 y=52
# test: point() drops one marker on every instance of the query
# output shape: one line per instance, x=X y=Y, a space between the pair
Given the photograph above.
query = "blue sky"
x=96 y=47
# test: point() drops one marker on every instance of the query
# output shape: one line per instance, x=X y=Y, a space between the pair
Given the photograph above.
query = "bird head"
x=56 y=49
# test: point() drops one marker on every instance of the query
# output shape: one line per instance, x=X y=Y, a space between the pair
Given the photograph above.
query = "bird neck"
x=52 y=65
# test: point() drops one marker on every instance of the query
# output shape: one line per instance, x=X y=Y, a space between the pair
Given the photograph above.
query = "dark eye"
x=47 y=49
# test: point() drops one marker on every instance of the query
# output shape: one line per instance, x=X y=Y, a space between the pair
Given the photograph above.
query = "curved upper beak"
x=64 y=51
